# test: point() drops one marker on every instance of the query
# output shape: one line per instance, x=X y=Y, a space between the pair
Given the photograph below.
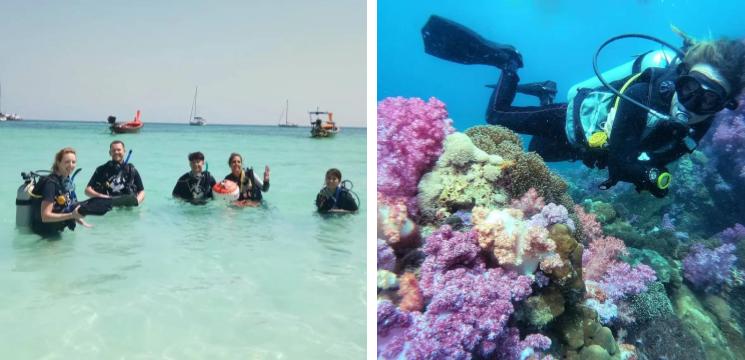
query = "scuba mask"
x=701 y=95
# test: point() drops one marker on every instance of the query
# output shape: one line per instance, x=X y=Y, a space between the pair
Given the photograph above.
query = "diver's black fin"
x=451 y=41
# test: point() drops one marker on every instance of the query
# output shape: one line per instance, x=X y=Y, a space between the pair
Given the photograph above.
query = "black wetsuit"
x=194 y=189
x=341 y=199
x=631 y=134
x=251 y=187
x=113 y=179
x=50 y=188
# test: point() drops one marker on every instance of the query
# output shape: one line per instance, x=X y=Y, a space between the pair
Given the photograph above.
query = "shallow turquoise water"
x=172 y=280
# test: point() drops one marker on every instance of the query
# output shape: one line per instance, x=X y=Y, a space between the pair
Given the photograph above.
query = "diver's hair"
x=117 y=142
x=334 y=172
x=232 y=155
x=196 y=156
x=58 y=158
x=727 y=56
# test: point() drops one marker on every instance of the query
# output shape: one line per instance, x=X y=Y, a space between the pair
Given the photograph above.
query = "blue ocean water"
x=693 y=238
x=557 y=39
x=173 y=280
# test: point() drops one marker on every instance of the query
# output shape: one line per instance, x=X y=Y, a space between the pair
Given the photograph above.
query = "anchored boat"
x=320 y=128
x=133 y=126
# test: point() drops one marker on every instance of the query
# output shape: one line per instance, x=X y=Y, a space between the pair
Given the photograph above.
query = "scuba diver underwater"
x=633 y=120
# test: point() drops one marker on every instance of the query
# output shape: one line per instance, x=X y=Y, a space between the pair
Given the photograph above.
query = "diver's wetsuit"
x=631 y=135
x=50 y=189
x=250 y=186
x=341 y=199
x=113 y=179
x=195 y=189
x=546 y=123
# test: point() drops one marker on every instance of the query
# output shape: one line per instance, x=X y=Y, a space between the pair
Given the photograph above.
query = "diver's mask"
x=702 y=95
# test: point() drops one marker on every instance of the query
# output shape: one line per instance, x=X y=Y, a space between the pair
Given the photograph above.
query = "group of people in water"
x=117 y=183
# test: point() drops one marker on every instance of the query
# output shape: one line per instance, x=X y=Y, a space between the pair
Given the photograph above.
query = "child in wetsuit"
x=335 y=197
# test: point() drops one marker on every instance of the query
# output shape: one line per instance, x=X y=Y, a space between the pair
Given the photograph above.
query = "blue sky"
x=85 y=60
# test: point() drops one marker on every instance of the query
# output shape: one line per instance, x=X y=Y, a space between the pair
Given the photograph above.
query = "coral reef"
x=464 y=177
x=410 y=136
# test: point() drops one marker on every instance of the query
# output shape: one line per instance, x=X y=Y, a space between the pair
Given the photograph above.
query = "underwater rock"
x=570 y=253
x=594 y=352
x=727 y=322
x=666 y=339
x=582 y=334
x=701 y=324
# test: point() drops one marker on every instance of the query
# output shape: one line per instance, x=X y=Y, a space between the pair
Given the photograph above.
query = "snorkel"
x=126 y=160
x=679 y=55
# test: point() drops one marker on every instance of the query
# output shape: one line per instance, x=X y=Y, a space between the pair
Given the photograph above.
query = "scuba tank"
x=658 y=58
x=24 y=207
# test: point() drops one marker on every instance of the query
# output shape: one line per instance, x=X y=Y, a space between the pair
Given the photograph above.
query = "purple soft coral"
x=386 y=257
x=733 y=235
x=446 y=250
x=622 y=280
x=410 y=137
x=468 y=315
x=709 y=269
x=552 y=214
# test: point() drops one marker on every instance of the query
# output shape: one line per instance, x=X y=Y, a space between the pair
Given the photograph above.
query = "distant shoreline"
x=177 y=123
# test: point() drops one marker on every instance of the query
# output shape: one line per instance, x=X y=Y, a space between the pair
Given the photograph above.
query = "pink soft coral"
x=410 y=137
x=606 y=277
x=530 y=203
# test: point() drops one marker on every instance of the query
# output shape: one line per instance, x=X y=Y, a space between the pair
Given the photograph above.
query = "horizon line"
x=178 y=123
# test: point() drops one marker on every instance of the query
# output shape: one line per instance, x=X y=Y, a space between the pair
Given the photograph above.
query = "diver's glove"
x=656 y=181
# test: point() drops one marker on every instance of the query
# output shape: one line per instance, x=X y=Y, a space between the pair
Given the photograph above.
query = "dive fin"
x=454 y=42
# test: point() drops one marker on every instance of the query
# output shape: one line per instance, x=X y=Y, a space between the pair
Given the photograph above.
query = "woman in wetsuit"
x=249 y=185
x=637 y=144
x=55 y=197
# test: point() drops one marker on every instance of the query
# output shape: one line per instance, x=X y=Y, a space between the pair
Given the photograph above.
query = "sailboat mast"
x=287 y=110
x=195 y=100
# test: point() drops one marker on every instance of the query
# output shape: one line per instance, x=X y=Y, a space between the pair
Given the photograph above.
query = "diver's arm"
x=48 y=216
x=95 y=179
x=93 y=193
x=625 y=143
x=140 y=197
x=324 y=201
x=685 y=146
x=264 y=185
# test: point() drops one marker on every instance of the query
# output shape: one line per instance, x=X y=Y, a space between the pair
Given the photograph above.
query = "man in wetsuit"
x=333 y=197
x=117 y=180
x=196 y=185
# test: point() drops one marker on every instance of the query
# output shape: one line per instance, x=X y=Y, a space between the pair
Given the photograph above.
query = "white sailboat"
x=193 y=118
x=3 y=116
x=285 y=111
